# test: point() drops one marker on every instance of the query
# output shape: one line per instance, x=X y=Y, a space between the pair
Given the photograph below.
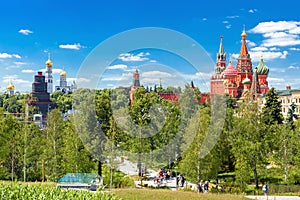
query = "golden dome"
x=63 y=73
x=49 y=62
x=10 y=86
x=244 y=34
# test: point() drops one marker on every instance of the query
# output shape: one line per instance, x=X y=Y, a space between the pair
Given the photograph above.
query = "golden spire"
x=49 y=62
x=244 y=50
x=244 y=34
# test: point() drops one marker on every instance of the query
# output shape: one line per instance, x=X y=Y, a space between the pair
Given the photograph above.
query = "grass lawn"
x=152 y=194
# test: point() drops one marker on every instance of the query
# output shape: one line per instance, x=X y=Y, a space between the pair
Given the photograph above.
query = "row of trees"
x=245 y=138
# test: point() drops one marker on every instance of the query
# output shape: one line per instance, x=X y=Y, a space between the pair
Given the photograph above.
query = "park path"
x=130 y=168
x=274 y=197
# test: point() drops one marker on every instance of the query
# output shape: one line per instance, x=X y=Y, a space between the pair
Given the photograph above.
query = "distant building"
x=40 y=95
x=240 y=81
x=171 y=96
x=63 y=86
x=10 y=89
x=286 y=97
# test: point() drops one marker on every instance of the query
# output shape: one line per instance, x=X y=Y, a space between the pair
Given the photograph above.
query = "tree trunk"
x=286 y=170
x=255 y=174
x=100 y=168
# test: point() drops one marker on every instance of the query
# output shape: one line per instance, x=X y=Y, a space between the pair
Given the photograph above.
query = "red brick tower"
x=217 y=79
x=244 y=65
x=135 y=85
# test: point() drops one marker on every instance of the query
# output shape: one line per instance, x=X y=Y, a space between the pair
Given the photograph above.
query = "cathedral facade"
x=241 y=81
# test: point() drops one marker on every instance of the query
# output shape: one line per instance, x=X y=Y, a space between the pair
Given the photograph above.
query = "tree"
x=11 y=151
x=271 y=111
x=288 y=135
x=53 y=145
x=248 y=143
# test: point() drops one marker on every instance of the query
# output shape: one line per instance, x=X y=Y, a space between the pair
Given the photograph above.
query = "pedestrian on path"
x=265 y=189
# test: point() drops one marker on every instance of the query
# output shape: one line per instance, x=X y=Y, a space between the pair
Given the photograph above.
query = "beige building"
x=287 y=97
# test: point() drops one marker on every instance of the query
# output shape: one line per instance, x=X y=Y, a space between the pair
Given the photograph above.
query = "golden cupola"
x=63 y=73
x=10 y=86
x=49 y=62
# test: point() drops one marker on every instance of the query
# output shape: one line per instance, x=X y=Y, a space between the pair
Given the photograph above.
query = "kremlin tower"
x=241 y=81
x=49 y=78
x=135 y=85
x=217 y=80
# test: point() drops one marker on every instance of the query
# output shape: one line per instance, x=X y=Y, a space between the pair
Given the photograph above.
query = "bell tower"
x=49 y=78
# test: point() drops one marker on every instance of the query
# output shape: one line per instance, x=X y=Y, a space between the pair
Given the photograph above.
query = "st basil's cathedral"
x=241 y=81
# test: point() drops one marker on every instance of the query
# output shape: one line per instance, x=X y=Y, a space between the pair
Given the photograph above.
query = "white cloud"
x=119 y=66
x=277 y=70
x=293 y=67
x=259 y=49
x=21 y=81
x=274 y=49
x=28 y=71
x=233 y=17
x=152 y=61
x=228 y=26
x=274 y=80
x=295 y=49
x=80 y=80
x=54 y=70
x=225 y=22
x=128 y=57
x=280 y=33
x=267 y=56
x=7 y=78
x=20 y=63
x=156 y=74
x=282 y=42
x=71 y=46
x=252 y=10
x=250 y=43
x=271 y=27
x=6 y=55
x=25 y=31
x=295 y=30
x=112 y=78
x=203 y=75
x=204 y=19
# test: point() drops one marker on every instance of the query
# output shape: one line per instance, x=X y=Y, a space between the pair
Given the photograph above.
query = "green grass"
x=152 y=194
x=33 y=191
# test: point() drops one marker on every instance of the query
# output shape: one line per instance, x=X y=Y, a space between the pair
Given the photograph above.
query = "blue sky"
x=70 y=30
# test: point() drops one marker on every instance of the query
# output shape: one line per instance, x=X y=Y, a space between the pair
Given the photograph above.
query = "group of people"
x=163 y=175
x=203 y=186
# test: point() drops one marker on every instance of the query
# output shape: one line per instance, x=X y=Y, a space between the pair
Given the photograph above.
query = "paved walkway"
x=274 y=197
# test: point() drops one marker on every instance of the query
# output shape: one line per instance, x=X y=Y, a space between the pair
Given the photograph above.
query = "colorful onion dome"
x=230 y=70
x=246 y=81
x=262 y=69
x=63 y=73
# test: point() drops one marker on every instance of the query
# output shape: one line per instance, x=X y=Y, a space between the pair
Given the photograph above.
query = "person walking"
x=265 y=189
